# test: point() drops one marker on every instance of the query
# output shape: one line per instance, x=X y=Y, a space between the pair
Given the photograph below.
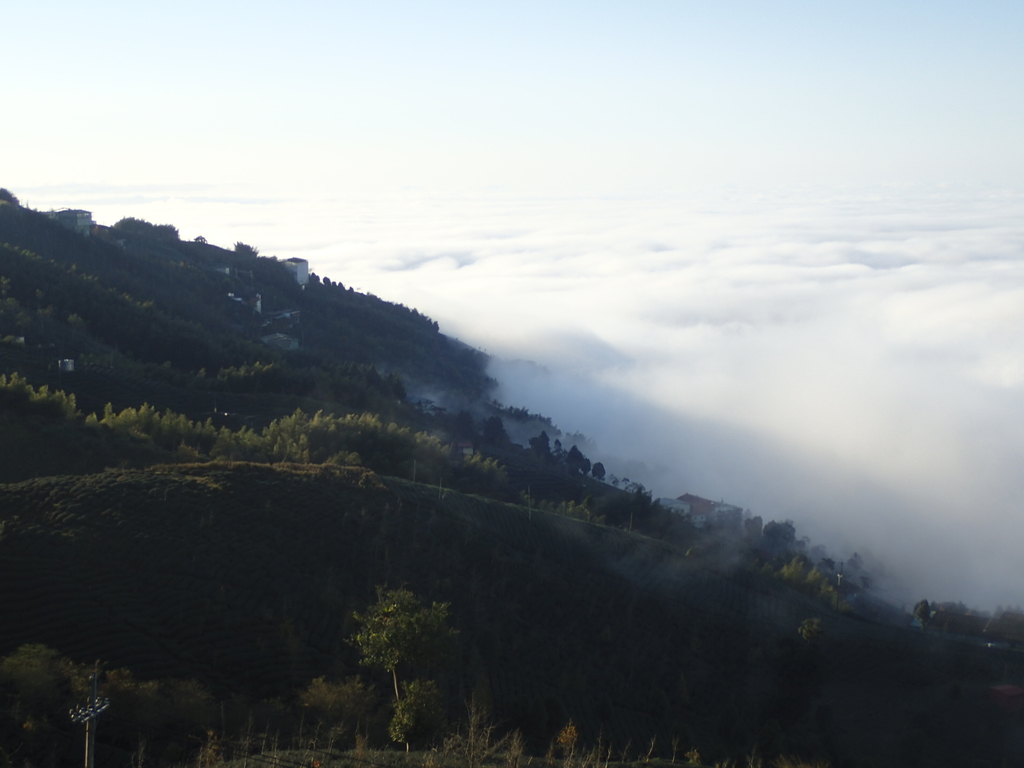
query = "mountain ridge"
x=131 y=536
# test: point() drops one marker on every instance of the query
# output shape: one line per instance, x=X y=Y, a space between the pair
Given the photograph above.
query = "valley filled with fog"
x=766 y=254
x=851 y=359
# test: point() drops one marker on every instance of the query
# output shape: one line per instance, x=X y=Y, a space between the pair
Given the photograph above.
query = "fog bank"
x=851 y=359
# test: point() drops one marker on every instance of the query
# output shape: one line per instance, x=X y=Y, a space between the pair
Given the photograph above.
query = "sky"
x=771 y=253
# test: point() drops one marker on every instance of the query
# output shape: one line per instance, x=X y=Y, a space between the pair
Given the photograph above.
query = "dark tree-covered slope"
x=127 y=293
x=246 y=576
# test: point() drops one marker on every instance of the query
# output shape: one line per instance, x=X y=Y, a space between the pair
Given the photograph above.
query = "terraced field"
x=246 y=576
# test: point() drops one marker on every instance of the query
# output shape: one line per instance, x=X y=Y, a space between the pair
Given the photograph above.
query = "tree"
x=810 y=630
x=576 y=462
x=398 y=631
x=494 y=431
x=923 y=612
x=143 y=228
x=246 y=250
x=597 y=470
x=558 y=452
x=779 y=536
x=629 y=511
x=541 y=445
x=37 y=674
x=794 y=572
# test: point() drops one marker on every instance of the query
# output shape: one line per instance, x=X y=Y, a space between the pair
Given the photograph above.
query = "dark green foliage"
x=922 y=612
x=799 y=574
x=142 y=228
x=245 y=577
x=159 y=704
x=572 y=462
x=227 y=587
x=157 y=299
x=494 y=433
x=541 y=446
x=779 y=537
x=138 y=328
x=38 y=676
x=246 y=251
x=633 y=510
x=144 y=435
x=43 y=433
x=397 y=631
x=342 y=707
x=45 y=684
x=419 y=714
x=18 y=396
x=576 y=463
x=523 y=415
x=810 y=630
x=319 y=535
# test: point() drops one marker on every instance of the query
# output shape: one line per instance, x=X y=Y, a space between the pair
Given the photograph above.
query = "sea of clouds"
x=850 y=359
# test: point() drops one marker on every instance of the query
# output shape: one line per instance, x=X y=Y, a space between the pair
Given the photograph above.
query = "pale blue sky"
x=771 y=252
x=614 y=93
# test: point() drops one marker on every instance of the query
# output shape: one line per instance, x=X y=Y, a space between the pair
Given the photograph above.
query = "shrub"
x=418 y=716
x=40 y=677
x=343 y=706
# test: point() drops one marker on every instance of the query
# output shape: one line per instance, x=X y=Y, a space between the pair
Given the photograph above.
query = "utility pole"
x=839 y=583
x=88 y=713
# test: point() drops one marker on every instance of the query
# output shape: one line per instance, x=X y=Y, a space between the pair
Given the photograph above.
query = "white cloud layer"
x=852 y=359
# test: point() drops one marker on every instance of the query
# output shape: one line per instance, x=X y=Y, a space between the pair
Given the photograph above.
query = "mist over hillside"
x=677 y=346
x=245 y=578
x=844 y=357
x=167 y=393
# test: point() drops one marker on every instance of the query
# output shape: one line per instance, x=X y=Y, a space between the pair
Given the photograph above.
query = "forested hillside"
x=245 y=578
x=149 y=298
x=205 y=516
x=182 y=327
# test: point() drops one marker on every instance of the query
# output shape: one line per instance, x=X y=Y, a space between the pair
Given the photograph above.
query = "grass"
x=245 y=577
x=325 y=757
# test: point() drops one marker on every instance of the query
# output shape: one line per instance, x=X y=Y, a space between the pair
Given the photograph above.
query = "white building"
x=299 y=268
x=75 y=220
x=675 y=505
